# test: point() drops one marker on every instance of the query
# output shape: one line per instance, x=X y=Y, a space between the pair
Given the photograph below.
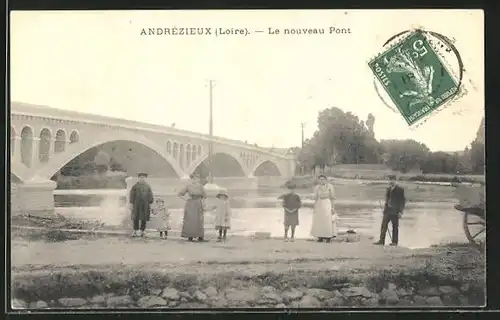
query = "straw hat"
x=222 y=192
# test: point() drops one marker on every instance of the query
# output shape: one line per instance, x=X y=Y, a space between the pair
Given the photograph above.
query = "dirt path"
x=240 y=255
x=237 y=249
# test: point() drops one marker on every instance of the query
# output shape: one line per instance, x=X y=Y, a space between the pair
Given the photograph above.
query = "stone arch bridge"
x=43 y=140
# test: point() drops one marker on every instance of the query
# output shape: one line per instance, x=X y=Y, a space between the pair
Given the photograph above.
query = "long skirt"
x=322 y=224
x=193 y=225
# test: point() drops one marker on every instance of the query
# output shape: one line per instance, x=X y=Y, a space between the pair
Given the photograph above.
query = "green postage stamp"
x=415 y=77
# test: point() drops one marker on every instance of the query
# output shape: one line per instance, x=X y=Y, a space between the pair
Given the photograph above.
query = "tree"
x=370 y=123
x=405 y=155
x=341 y=137
x=477 y=157
x=80 y=165
x=440 y=162
x=101 y=162
x=346 y=138
x=114 y=165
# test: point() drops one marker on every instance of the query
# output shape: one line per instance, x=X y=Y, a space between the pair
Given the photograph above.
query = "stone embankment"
x=238 y=294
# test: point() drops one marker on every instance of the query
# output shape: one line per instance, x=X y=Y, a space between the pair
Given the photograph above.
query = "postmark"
x=416 y=76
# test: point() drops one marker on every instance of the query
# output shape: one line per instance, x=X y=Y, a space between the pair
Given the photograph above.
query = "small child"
x=222 y=214
x=291 y=205
x=162 y=217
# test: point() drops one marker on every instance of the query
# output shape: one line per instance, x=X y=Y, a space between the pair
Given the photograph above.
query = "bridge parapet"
x=55 y=116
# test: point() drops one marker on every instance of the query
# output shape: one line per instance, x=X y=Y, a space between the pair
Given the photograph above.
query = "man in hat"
x=141 y=198
x=393 y=210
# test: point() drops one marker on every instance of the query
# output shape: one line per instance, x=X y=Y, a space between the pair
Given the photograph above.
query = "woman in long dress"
x=193 y=225
x=324 y=213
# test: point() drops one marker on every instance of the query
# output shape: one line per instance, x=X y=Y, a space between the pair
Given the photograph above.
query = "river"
x=423 y=224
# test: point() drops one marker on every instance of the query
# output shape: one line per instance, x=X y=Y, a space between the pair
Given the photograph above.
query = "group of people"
x=324 y=221
x=143 y=206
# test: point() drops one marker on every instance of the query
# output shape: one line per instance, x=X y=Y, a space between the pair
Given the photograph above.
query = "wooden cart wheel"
x=475 y=229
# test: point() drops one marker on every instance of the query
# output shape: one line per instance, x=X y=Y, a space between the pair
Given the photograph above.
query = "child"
x=222 y=214
x=291 y=204
x=162 y=216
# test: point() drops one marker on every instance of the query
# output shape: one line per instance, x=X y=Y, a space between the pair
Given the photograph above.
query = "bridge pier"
x=35 y=151
x=33 y=197
x=16 y=149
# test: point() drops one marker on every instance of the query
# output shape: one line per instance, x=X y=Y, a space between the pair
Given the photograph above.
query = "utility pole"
x=211 y=132
x=211 y=124
x=302 y=124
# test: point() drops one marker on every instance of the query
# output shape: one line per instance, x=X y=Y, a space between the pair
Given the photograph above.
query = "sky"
x=265 y=84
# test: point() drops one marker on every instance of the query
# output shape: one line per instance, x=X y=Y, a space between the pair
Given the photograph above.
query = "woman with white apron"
x=324 y=224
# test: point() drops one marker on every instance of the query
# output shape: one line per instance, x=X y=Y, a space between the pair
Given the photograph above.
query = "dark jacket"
x=291 y=201
x=395 y=200
x=141 y=198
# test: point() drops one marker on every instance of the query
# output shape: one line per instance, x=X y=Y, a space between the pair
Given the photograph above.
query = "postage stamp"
x=415 y=77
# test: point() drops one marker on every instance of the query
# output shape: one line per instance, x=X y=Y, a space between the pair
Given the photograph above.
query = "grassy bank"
x=305 y=182
x=375 y=191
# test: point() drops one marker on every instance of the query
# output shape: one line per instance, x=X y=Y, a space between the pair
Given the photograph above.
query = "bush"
x=301 y=182
x=442 y=178
x=306 y=182
x=92 y=182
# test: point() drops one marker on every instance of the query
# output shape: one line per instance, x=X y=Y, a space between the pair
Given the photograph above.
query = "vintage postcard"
x=222 y=159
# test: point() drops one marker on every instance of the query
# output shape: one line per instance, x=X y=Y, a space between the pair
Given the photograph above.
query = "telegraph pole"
x=302 y=124
x=211 y=131
x=211 y=124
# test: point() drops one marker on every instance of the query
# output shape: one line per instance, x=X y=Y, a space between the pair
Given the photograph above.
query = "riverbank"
x=307 y=182
x=121 y=272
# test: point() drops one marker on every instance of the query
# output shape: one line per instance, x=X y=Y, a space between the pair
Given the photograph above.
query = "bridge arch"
x=60 y=141
x=231 y=154
x=74 y=150
x=14 y=179
x=27 y=135
x=19 y=170
x=181 y=155
x=263 y=161
x=74 y=137
x=194 y=153
x=45 y=144
x=188 y=155
x=13 y=136
x=175 y=151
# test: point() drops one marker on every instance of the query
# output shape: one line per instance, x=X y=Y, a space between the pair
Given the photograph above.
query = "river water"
x=423 y=223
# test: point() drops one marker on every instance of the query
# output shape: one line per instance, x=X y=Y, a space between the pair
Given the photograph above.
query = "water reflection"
x=422 y=225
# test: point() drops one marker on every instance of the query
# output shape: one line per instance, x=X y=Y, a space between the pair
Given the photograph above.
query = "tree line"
x=343 y=138
x=91 y=161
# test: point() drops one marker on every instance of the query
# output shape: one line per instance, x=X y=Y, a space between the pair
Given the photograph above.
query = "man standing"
x=141 y=198
x=393 y=209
